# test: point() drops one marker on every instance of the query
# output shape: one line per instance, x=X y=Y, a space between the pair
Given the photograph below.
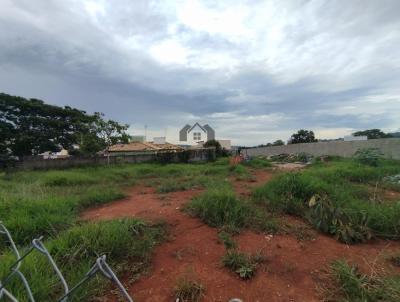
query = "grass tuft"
x=352 y=285
x=188 y=290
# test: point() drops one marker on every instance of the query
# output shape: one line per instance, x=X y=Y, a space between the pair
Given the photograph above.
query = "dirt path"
x=193 y=249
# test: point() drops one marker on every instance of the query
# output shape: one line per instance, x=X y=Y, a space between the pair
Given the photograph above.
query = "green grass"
x=241 y=263
x=258 y=163
x=220 y=207
x=345 y=184
x=227 y=240
x=353 y=286
x=34 y=203
x=127 y=243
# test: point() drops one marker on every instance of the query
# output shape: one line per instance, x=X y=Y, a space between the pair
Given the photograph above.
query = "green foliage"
x=357 y=287
x=257 y=163
x=240 y=172
x=220 y=207
x=345 y=184
x=36 y=203
x=227 y=240
x=242 y=264
x=372 y=134
x=128 y=244
x=328 y=218
x=303 y=136
x=189 y=290
x=278 y=142
x=370 y=156
x=220 y=152
x=30 y=127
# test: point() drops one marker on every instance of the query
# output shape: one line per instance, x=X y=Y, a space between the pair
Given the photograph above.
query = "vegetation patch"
x=128 y=244
x=257 y=163
x=241 y=263
x=351 y=285
x=227 y=240
x=220 y=207
x=189 y=290
x=342 y=205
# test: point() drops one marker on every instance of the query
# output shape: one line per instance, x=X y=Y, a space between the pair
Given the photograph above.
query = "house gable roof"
x=197 y=124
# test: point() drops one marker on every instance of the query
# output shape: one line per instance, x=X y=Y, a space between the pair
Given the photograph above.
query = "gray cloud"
x=256 y=71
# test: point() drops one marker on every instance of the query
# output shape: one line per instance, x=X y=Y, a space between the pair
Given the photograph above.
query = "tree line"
x=31 y=127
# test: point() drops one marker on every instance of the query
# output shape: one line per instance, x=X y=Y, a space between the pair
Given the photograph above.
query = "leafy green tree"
x=30 y=127
x=303 y=136
x=278 y=142
x=372 y=133
x=218 y=149
x=102 y=134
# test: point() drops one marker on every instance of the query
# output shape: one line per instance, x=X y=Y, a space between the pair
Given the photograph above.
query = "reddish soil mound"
x=291 y=266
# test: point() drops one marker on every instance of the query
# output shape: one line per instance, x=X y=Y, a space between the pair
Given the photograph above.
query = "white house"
x=193 y=135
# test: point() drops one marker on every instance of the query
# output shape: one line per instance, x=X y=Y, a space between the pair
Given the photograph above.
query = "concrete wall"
x=390 y=147
x=197 y=155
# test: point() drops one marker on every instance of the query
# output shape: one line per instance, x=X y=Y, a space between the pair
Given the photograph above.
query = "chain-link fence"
x=99 y=267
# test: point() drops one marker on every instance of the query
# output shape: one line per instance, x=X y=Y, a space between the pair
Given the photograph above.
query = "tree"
x=372 y=133
x=31 y=127
x=219 y=151
x=278 y=142
x=102 y=134
x=303 y=136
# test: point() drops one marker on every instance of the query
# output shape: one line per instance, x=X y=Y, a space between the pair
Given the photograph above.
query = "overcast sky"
x=256 y=71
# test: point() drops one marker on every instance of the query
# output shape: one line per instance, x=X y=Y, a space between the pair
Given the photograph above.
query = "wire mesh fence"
x=100 y=266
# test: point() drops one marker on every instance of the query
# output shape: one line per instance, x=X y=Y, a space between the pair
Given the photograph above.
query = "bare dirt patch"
x=289 y=274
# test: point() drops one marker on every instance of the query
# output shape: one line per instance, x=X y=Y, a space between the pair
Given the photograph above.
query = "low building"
x=141 y=147
x=55 y=155
x=349 y=138
x=225 y=144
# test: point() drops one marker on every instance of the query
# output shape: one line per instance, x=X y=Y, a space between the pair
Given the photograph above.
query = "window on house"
x=197 y=136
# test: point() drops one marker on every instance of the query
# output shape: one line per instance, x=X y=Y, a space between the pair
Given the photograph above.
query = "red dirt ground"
x=291 y=266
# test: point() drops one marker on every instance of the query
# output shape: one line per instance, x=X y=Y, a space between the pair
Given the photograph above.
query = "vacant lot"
x=211 y=232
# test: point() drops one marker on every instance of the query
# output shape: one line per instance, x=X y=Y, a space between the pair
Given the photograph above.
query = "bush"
x=369 y=156
x=331 y=219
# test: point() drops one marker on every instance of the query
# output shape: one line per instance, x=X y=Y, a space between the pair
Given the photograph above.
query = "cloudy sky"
x=254 y=70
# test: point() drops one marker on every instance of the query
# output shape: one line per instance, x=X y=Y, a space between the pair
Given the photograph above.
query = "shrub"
x=333 y=220
x=368 y=156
